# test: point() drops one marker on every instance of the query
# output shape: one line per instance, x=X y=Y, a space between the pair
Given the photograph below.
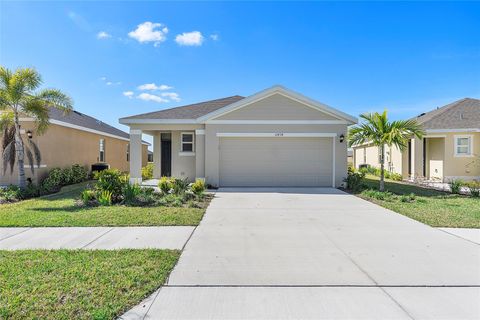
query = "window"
x=128 y=152
x=101 y=155
x=463 y=146
x=187 y=142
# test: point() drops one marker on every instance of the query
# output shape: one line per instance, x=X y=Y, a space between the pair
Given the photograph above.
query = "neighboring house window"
x=101 y=156
x=463 y=146
x=187 y=142
x=128 y=152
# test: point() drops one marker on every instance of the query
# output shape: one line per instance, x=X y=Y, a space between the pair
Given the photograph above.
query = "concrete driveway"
x=317 y=254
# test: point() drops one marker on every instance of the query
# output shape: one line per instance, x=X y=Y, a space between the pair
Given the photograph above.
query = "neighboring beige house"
x=449 y=150
x=74 y=138
x=273 y=138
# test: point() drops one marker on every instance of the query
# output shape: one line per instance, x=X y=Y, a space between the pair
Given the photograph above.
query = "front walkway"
x=316 y=254
x=95 y=238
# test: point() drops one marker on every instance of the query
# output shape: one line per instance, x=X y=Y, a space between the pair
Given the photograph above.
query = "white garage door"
x=276 y=161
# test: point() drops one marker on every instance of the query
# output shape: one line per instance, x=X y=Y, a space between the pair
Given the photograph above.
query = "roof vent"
x=79 y=113
x=421 y=114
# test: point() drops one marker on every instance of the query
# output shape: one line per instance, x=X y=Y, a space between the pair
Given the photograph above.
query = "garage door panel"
x=275 y=161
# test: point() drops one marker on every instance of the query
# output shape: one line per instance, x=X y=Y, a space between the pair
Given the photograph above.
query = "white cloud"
x=149 y=32
x=194 y=38
x=153 y=86
x=103 y=35
x=214 y=37
x=103 y=78
x=151 y=97
x=171 y=95
x=128 y=94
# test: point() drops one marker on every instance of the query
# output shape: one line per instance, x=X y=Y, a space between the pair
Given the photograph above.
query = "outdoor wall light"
x=342 y=137
x=29 y=134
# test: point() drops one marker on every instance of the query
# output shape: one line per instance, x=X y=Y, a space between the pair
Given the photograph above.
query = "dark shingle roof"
x=83 y=120
x=191 y=111
x=461 y=114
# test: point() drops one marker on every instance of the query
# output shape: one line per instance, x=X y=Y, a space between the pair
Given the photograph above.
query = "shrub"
x=111 y=180
x=12 y=193
x=354 y=180
x=179 y=186
x=165 y=185
x=79 y=173
x=198 y=187
x=53 y=182
x=105 y=198
x=171 y=200
x=474 y=188
x=379 y=195
x=396 y=176
x=146 y=197
x=87 y=196
x=456 y=185
x=147 y=172
x=31 y=191
x=130 y=193
x=408 y=197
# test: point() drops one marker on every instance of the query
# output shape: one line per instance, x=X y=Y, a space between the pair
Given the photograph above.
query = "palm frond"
x=6 y=120
x=36 y=152
x=56 y=99
x=37 y=109
x=29 y=155
x=5 y=76
x=8 y=157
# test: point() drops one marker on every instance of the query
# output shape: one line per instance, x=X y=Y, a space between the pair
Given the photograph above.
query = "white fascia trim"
x=452 y=130
x=74 y=126
x=35 y=166
x=435 y=136
x=276 y=134
x=285 y=92
x=276 y=122
x=158 y=121
x=199 y=132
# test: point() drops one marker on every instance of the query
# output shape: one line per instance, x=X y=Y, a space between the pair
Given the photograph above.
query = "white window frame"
x=100 y=151
x=470 y=145
x=182 y=152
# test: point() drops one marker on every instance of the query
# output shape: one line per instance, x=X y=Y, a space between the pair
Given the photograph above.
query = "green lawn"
x=59 y=210
x=435 y=208
x=79 y=284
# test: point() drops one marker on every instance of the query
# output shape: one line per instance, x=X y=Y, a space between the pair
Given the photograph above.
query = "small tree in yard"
x=379 y=131
x=19 y=98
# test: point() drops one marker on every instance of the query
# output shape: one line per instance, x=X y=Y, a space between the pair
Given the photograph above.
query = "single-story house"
x=275 y=137
x=449 y=150
x=74 y=138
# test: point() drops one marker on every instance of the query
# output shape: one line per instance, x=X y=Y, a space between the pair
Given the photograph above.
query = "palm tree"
x=379 y=131
x=18 y=97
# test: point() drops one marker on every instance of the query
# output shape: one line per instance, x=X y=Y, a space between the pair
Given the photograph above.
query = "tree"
x=18 y=97
x=379 y=131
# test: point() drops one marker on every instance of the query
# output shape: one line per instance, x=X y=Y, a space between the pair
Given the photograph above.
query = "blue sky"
x=405 y=57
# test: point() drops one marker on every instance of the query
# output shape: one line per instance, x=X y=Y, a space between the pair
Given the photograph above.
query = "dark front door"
x=409 y=157
x=166 y=158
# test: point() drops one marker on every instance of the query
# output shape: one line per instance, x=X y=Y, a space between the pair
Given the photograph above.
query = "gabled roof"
x=278 y=89
x=187 y=112
x=204 y=111
x=83 y=122
x=461 y=114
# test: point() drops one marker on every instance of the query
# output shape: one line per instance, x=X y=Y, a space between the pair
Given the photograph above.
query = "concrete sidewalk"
x=469 y=234
x=95 y=238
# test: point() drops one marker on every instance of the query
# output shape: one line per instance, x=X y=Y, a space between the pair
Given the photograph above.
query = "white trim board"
x=452 y=130
x=276 y=122
x=285 y=92
x=276 y=134
x=158 y=121
x=81 y=128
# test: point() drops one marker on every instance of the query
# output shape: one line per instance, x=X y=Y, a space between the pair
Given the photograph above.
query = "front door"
x=166 y=165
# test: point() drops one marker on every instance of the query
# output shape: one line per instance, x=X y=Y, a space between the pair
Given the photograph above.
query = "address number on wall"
x=278 y=134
